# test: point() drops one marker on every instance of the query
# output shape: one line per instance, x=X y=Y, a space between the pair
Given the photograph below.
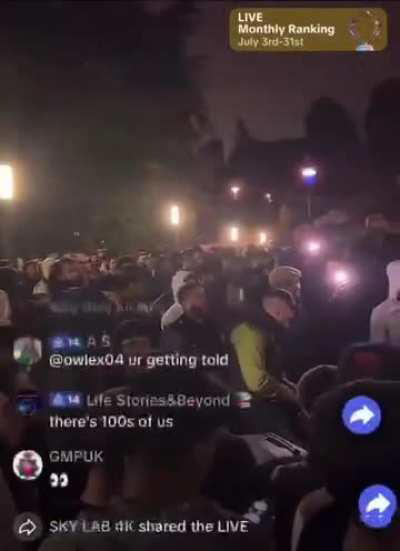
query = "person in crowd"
x=385 y=318
x=193 y=259
x=41 y=289
x=194 y=333
x=369 y=360
x=314 y=382
x=256 y=282
x=30 y=277
x=234 y=270
x=174 y=312
x=256 y=342
x=286 y=278
x=129 y=292
x=65 y=275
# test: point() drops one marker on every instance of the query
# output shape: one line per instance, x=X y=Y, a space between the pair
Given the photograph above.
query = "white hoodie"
x=385 y=318
x=175 y=311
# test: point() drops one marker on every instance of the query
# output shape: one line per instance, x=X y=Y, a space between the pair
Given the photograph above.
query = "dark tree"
x=329 y=127
x=382 y=124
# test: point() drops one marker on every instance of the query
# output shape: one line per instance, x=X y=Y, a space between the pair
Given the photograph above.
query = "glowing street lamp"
x=268 y=197
x=234 y=234
x=313 y=247
x=341 y=277
x=235 y=190
x=6 y=182
x=262 y=238
x=175 y=215
x=309 y=175
x=308 y=172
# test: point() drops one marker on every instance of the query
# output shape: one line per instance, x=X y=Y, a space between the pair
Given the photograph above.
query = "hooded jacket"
x=385 y=318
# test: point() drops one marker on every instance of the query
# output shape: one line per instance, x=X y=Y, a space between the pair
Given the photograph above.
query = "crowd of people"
x=289 y=333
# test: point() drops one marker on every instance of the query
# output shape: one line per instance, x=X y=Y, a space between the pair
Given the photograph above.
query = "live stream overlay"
x=75 y=409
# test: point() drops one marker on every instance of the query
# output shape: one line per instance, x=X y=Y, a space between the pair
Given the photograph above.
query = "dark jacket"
x=190 y=337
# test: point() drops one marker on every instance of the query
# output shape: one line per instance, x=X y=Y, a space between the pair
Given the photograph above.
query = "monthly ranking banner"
x=308 y=29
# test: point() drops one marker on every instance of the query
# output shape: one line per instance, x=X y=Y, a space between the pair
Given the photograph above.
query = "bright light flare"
x=235 y=190
x=6 y=182
x=268 y=197
x=262 y=238
x=313 y=247
x=341 y=277
x=309 y=172
x=175 y=215
x=234 y=234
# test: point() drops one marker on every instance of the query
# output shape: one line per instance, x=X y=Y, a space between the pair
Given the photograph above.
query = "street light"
x=175 y=215
x=268 y=197
x=6 y=182
x=309 y=175
x=235 y=191
x=175 y=220
x=262 y=238
x=308 y=172
x=341 y=277
x=313 y=247
x=234 y=234
x=6 y=195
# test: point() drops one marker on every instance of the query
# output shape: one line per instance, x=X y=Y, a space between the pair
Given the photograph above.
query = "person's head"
x=181 y=278
x=315 y=382
x=65 y=274
x=369 y=360
x=130 y=282
x=192 y=297
x=211 y=270
x=189 y=261
x=287 y=278
x=31 y=271
x=279 y=304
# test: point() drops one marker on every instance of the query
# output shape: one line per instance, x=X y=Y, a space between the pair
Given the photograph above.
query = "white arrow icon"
x=27 y=527
x=379 y=503
x=364 y=415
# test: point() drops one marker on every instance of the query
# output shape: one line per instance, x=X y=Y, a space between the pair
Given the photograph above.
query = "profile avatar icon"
x=27 y=351
x=27 y=465
x=366 y=28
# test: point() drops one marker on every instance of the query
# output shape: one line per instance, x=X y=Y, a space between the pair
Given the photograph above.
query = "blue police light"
x=309 y=175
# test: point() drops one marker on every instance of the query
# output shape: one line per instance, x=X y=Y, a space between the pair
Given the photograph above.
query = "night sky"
x=271 y=92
